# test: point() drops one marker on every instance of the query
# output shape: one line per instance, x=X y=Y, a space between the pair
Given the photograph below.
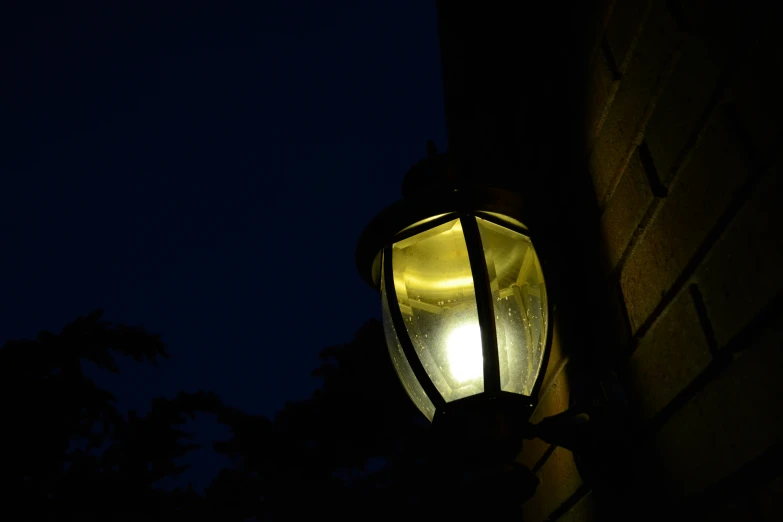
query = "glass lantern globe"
x=464 y=304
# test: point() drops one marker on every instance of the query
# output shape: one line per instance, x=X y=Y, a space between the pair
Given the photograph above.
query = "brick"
x=635 y=97
x=672 y=353
x=554 y=398
x=532 y=451
x=742 y=272
x=682 y=105
x=624 y=28
x=730 y=422
x=756 y=94
x=718 y=36
x=582 y=511
x=602 y=88
x=625 y=209
x=558 y=480
x=718 y=167
x=595 y=19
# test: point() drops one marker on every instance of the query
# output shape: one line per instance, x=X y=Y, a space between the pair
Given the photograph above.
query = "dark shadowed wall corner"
x=645 y=136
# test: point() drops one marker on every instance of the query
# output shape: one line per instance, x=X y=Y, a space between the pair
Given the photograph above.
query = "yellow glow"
x=466 y=360
x=434 y=288
x=428 y=283
x=427 y=220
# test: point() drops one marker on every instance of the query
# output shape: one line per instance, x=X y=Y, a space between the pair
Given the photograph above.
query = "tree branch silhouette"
x=68 y=449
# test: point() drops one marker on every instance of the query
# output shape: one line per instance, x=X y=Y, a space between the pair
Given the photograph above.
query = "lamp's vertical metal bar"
x=403 y=336
x=484 y=305
x=550 y=329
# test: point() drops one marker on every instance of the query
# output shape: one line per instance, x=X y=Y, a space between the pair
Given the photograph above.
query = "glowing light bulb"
x=464 y=352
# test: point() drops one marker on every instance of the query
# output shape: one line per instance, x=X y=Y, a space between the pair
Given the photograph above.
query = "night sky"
x=204 y=169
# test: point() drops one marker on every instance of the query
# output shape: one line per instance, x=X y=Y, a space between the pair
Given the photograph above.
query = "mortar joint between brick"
x=569 y=503
x=712 y=236
x=657 y=187
x=626 y=318
x=713 y=369
x=623 y=64
x=610 y=61
x=720 y=97
x=637 y=236
x=719 y=364
x=755 y=155
x=543 y=458
x=704 y=319
x=702 y=124
x=604 y=115
x=770 y=311
x=596 y=46
x=638 y=136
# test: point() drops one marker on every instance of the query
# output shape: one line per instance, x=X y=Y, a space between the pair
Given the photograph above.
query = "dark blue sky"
x=205 y=170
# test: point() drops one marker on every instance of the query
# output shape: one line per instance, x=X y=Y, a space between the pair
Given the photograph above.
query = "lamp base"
x=484 y=432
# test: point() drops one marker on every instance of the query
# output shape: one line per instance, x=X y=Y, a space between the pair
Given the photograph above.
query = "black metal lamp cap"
x=432 y=174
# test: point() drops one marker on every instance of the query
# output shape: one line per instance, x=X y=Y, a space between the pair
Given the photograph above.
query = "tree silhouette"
x=48 y=403
x=66 y=448
x=307 y=461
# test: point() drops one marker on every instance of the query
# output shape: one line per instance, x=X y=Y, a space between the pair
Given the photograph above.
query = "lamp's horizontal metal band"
x=383 y=228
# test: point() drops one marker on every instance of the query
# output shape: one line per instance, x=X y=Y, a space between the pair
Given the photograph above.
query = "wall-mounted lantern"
x=464 y=302
x=468 y=325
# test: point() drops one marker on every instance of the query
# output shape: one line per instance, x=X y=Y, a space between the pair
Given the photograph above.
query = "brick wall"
x=682 y=135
